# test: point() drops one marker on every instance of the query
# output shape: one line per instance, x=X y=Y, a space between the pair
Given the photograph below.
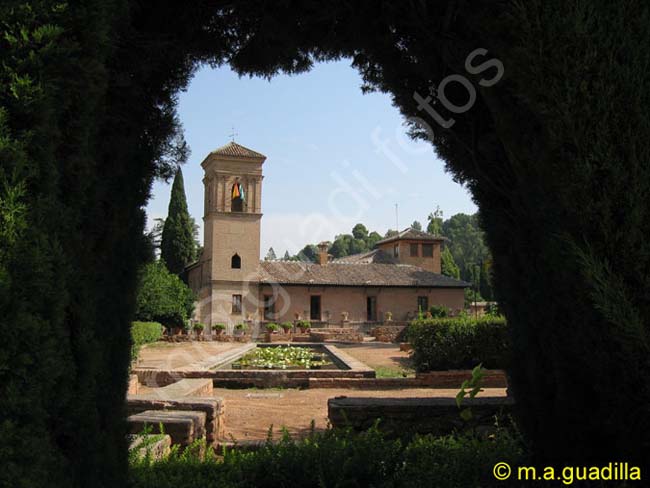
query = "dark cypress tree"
x=87 y=120
x=177 y=245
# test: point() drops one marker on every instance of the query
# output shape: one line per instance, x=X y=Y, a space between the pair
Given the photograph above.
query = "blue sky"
x=335 y=157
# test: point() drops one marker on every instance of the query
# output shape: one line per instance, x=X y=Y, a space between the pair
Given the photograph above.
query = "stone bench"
x=438 y=416
x=183 y=426
x=213 y=408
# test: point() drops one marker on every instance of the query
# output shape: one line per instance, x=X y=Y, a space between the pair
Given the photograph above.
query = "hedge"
x=459 y=343
x=342 y=458
x=144 y=333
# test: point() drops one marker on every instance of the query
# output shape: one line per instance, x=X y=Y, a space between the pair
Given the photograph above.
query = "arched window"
x=235 y=262
x=237 y=197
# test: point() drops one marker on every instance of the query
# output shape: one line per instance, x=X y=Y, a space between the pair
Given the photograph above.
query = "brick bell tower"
x=226 y=280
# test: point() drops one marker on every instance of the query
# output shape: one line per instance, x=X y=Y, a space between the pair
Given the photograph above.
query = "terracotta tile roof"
x=375 y=256
x=234 y=150
x=353 y=274
x=412 y=234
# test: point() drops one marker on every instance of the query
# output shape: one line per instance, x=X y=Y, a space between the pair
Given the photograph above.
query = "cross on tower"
x=233 y=134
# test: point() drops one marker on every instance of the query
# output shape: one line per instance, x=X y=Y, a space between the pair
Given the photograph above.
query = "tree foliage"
x=177 y=244
x=270 y=255
x=448 y=264
x=163 y=297
x=87 y=120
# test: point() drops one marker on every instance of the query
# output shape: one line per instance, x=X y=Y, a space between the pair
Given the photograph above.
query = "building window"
x=235 y=262
x=269 y=307
x=423 y=304
x=414 y=250
x=236 y=304
x=237 y=197
x=427 y=250
x=396 y=250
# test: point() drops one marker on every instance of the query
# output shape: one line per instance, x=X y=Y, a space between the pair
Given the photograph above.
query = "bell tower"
x=232 y=218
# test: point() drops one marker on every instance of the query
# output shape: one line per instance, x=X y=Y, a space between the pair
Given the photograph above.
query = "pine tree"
x=416 y=225
x=177 y=246
x=270 y=255
x=287 y=256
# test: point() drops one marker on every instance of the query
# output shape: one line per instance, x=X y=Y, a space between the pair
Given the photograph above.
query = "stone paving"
x=250 y=412
x=178 y=355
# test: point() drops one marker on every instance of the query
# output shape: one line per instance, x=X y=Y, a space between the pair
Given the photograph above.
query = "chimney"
x=322 y=254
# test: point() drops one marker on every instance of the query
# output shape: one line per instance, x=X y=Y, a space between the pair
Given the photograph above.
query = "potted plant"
x=286 y=327
x=272 y=327
x=303 y=325
x=198 y=329
x=240 y=328
x=218 y=328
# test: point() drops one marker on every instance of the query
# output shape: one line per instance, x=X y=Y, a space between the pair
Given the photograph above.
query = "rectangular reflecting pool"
x=286 y=357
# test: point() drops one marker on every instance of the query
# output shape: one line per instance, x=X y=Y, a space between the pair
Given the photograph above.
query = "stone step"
x=183 y=426
x=214 y=409
x=186 y=387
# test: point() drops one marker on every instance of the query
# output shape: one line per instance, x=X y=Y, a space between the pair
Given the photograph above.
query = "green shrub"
x=459 y=343
x=199 y=326
x=218 y=327
x=241 y=326
x=286 y=326
x=303 y=324
x=144 y=333
x=272 y=327
x=438 y=311
x=163 y=297
x=341 y=458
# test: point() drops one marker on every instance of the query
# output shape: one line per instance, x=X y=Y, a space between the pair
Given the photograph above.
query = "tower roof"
x=234 y=150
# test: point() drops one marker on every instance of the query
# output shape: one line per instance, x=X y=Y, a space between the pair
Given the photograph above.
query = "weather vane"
x=233 y=134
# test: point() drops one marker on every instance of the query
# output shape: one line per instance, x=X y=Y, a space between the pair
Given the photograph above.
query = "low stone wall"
x=405 y=416
x=214 y=409
x=492 y=378
x=434 y=379
x=278 y=337
x=205 y=338
x=389 y=333
x=335 y=335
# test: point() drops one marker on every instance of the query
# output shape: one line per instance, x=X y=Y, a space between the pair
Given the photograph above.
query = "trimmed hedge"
x=342 y=458
x=144 y=333
x=459 y=343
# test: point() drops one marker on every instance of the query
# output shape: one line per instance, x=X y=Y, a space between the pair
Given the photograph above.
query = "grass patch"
x=387 y=372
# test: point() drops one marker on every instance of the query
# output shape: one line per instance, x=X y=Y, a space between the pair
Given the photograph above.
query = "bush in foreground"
x=459 y=343
x=143 y=333
x=342 y=458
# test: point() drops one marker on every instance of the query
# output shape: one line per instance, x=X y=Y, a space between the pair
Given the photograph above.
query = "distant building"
x=401 y=275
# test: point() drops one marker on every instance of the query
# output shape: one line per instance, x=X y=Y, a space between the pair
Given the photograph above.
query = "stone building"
x=397 y=278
